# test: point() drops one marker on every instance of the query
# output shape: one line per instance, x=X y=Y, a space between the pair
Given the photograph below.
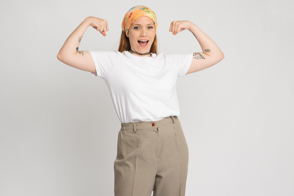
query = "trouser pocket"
x=128 y=143
x=181 y=138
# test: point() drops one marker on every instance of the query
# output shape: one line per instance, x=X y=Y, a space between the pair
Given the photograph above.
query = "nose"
x=143 y=32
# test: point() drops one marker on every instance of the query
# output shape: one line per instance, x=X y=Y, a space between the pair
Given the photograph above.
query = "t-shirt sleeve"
x=181 y=62
x=104 y=61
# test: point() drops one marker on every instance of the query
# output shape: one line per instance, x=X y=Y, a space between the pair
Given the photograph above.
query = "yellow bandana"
x=136 y=12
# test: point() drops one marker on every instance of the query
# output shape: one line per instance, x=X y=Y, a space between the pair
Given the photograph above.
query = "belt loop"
x=135 y=130
x=173 y=119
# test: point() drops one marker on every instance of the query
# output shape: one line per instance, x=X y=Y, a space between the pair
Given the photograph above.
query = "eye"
x=149 y=26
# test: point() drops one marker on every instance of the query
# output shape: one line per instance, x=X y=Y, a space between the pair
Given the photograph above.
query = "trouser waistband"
x=149 y=124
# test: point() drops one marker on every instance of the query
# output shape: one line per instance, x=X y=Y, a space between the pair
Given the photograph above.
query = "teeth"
x=142 y=41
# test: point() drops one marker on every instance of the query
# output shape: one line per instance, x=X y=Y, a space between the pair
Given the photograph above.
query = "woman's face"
x=142 y=28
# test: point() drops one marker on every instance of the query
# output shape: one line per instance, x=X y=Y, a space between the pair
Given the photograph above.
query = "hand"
x=178 y=26
x=99 y=24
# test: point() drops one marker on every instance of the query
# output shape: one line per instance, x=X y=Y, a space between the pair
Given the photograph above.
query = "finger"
x=174 y=27
x=104 y=27
x=100 y=29
x=107 y=26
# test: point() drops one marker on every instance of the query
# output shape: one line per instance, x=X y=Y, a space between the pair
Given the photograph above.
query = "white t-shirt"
x=142 y=88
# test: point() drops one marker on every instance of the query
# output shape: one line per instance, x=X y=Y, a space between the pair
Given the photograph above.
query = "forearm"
x=71 y=45
x=207 y=44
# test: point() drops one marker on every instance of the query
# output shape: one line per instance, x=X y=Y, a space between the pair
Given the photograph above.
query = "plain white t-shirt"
x=142 y=88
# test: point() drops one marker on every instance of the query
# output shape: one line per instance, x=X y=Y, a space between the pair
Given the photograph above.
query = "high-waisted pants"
x=151 y=156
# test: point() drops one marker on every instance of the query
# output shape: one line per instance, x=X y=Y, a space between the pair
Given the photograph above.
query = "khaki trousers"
x=151 y=156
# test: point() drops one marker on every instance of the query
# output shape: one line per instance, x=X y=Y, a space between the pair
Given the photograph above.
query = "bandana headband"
x=136 y=12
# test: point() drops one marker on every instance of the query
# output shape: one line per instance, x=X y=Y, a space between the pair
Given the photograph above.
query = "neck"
x=148 y=53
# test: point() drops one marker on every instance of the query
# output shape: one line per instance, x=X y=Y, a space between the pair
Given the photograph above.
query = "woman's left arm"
x=210 y=55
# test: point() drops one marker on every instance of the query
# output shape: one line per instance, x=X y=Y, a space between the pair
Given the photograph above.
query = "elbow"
x=220 y=56
x=58 y=57
x=223 y=56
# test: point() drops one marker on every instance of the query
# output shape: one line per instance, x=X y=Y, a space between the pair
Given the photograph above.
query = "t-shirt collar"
x=127 y=53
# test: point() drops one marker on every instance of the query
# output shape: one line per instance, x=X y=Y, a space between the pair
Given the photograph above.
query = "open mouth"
x=143 y=44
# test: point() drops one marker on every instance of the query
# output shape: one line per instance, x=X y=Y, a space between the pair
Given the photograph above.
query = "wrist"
x=87 y=21
x=191 y=26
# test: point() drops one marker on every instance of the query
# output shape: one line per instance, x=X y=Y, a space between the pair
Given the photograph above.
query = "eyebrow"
x=147 y=24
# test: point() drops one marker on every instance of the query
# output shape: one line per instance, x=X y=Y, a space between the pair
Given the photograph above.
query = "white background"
x=58 y=127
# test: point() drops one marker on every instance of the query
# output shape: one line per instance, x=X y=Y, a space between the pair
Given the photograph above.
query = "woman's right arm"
x=70 y=54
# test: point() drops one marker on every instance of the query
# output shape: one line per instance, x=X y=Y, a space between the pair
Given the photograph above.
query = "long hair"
x=124 y=43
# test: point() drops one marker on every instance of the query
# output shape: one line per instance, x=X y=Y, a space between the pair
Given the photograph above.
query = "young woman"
x=152 y=152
